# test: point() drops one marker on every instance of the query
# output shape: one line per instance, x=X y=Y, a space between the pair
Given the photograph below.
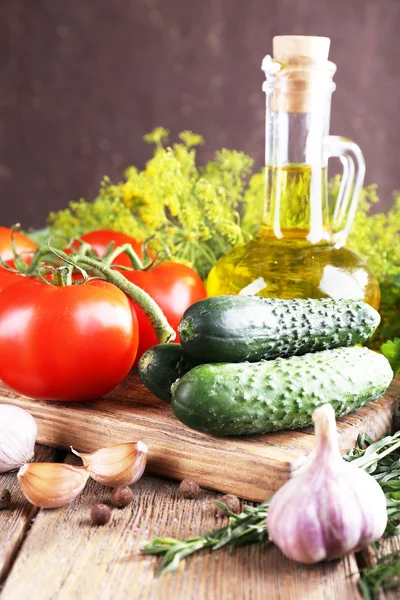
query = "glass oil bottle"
x=299 y=250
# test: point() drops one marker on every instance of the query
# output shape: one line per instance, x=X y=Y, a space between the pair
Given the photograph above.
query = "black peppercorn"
x=121 y=496
x=232 y=502
x=100 y=514
x=189 y=488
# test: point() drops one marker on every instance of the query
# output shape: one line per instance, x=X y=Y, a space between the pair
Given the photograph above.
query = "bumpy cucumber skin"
x=240 y=399
x=161 y=366
x=244 y=328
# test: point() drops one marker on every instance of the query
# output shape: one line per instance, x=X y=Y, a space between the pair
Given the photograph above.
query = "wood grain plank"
x=103 y=563
x=251 y=467
x=16 y=520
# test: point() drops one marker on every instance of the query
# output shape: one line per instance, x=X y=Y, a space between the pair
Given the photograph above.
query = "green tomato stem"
x=124 y=249
x=18 y=261
x=58 y=278
x=162 y=328
x=47 y=253
x=37 y=259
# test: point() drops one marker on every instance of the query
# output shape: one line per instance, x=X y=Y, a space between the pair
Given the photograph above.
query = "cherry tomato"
x=68 y=343
x=100 y=240
x=174 y=287
x=22 y=244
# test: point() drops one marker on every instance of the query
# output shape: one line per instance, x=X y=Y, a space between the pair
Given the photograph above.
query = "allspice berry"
x=189 y=489
x=100 y=514
x=121 y=496
x=232 y=502
x=5 y=498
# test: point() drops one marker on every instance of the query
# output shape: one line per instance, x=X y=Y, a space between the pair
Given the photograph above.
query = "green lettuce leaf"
x=391 y=350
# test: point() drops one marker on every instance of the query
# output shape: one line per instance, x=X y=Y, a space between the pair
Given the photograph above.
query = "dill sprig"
x=194 y=210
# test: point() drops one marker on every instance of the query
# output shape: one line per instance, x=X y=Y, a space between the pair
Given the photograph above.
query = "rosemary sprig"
x=381 y=459
x=247 y=528
x=384 y=574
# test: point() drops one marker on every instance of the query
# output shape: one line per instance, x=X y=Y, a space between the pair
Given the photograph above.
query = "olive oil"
x=293 y=269
x=296 y=204
x=293 y=255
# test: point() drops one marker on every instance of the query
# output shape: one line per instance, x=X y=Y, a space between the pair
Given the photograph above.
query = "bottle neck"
x=297 y=122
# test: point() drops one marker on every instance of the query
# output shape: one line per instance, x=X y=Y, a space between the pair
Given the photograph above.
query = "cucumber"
x=240 y=328
x=161 y=366
x=240 y=399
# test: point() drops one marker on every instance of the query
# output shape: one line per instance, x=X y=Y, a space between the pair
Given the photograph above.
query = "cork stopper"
x=304 y=73
x=309 y=46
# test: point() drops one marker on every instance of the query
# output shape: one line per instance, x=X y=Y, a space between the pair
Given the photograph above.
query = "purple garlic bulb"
x=329 y=507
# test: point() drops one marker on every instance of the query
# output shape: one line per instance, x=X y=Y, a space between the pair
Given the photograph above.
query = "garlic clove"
x=330 y=507
x=122 y=464
x=50 y=485
x=18 y=433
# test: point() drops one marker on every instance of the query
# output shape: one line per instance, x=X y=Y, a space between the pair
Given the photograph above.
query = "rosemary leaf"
x=384 y=574
x=249 y=527
x=381 y=459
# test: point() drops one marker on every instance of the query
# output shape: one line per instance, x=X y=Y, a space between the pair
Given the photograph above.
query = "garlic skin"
x=122 y=464
x=18 y=433
x=330 y=507
x=50 y=485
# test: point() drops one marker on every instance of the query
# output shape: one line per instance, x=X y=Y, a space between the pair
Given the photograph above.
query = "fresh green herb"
x=391 y=350
x=389 y=310
x=249 y=527
x=376 y=238
x=194 y=210
x=384 y=574
x=381 y=459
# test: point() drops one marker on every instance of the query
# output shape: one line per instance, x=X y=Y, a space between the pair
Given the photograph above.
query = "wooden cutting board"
x=250 y=467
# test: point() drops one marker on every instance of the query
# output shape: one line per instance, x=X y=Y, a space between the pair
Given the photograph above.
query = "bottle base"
x=293 y=269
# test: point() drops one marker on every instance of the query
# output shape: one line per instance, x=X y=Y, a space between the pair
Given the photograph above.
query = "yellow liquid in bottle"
x=293 y=256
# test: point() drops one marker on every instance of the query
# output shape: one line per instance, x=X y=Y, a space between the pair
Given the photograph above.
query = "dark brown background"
x=83 y=80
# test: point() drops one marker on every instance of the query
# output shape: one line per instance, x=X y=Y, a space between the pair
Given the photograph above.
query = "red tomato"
x=8 y=277
x=100 y=240
x=69 y=343
x=22 y=244
x=174 y=287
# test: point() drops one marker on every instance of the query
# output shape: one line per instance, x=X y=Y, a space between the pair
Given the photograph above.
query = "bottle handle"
x=353 y=163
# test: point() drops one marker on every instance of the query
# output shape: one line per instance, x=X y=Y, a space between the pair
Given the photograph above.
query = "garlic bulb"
x=18 y=433
x=330 y=507
x=122 y=464
x=50 y=485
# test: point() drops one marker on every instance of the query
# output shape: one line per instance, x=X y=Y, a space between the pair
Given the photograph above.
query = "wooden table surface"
x=59 y=555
